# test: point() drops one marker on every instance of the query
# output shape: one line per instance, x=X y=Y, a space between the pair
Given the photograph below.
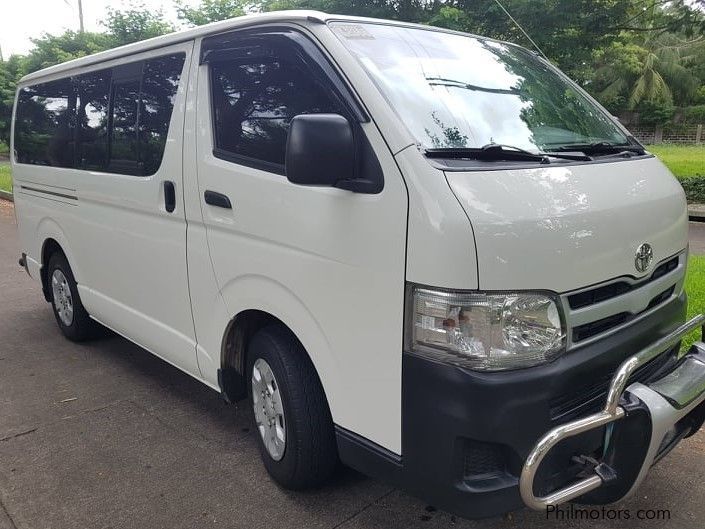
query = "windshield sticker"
x=354 y=31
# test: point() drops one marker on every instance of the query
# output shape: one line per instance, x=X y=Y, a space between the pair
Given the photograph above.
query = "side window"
x=124 y=150
x=111 y=120
x=92 y=111
x=159 y=85
x=44 y=128
x=255 y=99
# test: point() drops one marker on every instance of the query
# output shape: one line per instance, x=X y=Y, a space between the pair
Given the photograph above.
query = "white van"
x=423 y=253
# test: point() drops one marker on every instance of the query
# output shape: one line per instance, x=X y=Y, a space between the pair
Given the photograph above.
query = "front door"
x=327 y=262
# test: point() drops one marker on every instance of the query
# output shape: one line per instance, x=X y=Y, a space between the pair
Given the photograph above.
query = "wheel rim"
x=269 y=409
x=63 y=299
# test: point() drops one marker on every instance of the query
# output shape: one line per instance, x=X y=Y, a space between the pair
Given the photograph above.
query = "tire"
x=71 y=316
x=309 y=456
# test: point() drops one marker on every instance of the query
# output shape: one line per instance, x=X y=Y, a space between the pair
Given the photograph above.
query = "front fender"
x=257 y=292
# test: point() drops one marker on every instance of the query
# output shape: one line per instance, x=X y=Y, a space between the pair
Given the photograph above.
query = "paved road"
x=697 y=238
x=104 y=435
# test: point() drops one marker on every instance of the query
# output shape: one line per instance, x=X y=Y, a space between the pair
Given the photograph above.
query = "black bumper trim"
x=368 y=457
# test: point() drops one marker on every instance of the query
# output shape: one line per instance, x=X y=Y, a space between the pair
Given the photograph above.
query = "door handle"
x=169 y=196
x=218 y=200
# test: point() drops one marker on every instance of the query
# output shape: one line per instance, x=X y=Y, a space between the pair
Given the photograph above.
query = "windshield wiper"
x=498 y=151
x=601 y=147
x=489 y=152
x=440 y=81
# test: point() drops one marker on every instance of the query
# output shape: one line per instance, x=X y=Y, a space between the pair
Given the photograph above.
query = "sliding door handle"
x=169 y=196
x=216 y=199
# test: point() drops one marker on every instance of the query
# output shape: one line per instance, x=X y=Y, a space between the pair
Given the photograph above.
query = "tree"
x=211 y=11
x=655 y=73
x=408 y=10
x=11 y=71
x=647 y=55
x=50 y=49
x=135 y=23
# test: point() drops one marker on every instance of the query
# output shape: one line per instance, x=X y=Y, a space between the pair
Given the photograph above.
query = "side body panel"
x=127 y=252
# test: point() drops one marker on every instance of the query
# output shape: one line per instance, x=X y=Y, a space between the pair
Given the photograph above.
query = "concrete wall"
x=685 y=134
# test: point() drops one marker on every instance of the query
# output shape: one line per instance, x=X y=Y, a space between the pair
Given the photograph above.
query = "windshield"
x=458 y=91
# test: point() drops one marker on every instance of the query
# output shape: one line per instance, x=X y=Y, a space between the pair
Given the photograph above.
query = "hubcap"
x=63 y=300
x=269 y=411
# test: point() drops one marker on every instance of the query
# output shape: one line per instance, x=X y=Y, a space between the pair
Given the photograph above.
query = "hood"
x=566 y=227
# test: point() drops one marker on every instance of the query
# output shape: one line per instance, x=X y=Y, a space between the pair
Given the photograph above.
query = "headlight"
x=486 y=331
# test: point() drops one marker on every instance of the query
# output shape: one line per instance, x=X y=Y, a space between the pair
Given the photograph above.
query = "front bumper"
x=673 y=403
x=467 y=435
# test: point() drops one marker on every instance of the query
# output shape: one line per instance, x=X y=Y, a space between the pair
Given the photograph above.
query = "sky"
x=24 y=19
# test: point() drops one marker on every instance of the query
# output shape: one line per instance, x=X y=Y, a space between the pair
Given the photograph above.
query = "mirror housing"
x=323 y=150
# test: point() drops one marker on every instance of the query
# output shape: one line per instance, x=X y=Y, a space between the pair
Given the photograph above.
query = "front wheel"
x=295 y=428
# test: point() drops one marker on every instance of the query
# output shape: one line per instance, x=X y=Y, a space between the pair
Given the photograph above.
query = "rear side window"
x=124 y=145
x=92 y=110
x=255 y=99
x=159 y=84
x=114 y=120
x=44 y=130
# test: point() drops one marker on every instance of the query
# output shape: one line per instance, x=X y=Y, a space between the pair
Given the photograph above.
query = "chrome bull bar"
x=611 y=412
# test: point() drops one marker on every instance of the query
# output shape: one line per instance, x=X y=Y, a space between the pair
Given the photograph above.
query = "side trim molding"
x=45 y=192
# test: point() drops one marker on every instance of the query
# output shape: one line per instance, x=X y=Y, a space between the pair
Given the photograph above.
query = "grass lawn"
x=5 y=177
x=684 y=161
x=695 y=287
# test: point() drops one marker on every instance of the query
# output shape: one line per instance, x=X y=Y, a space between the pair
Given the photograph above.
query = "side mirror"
x=320 y=150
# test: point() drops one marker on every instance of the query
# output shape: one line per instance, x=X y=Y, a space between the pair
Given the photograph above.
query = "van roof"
x=201 y=31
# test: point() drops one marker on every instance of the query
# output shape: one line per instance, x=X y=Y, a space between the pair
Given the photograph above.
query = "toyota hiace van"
x=426 y=254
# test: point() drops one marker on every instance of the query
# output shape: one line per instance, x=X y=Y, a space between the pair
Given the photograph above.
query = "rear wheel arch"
x=53 y=239
x=49 y=248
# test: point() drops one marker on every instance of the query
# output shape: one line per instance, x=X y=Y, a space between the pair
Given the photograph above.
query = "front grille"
x=603 y=293
x=663 y=296
x=588 y=330
x=597 y=310
x=590 y=399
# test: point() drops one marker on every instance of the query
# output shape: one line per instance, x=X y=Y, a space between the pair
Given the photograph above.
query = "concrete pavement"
x=697 y=238
x=105 y=435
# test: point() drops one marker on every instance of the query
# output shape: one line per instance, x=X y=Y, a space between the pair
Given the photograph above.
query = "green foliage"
x=4 y=149
x=656 y=112
x=135 y=23
x=694 y=189
x=630 y=74
x=694 y=114
x=50 y=49
x=210 y=11
x=11 y=71
x=645 y=55
x=5 y=177
x=699 y=97
x=408 y=10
